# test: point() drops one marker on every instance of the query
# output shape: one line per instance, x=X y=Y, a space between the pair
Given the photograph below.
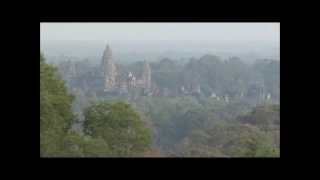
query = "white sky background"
x=163 y=32
x=86 y=38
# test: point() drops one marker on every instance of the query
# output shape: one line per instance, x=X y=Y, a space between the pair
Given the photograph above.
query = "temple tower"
x=108 y=69
x=146 y=75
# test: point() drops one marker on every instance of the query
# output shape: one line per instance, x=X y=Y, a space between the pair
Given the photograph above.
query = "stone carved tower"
x=146 y=75
x=108 y=69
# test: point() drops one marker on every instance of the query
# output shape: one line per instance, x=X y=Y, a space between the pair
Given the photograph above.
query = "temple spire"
x=108 y=68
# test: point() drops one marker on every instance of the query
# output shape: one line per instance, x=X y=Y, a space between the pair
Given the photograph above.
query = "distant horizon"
x=89 y=39
x=162 y=32
x=95 y=50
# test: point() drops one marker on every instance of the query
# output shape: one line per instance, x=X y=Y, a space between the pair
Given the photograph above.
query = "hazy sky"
x=227 y=33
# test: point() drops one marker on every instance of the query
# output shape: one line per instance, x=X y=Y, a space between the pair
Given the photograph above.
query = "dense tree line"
x=233 y=77
x=178 y=125
x=236 y=139
x=183 y=126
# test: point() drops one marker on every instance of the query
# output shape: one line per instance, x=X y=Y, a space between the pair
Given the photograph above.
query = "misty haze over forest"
x=153 y=41
x=160 y=90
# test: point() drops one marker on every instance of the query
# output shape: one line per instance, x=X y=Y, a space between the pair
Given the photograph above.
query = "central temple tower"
x=146 y=75
x=108 y=69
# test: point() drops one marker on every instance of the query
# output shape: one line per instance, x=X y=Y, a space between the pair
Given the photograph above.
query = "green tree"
x=241 y=141
x=254 y=143
x=85 y=146
x=228 y=140
x=265 y=117
x=120 y=126
x=55 y=111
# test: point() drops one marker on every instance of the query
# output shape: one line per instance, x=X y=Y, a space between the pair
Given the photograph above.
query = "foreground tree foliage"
x=255 y=134
x=85 y=146
x=115 y=129
x=55 y=111
x=229 y=141
x=120 y=126
x=265 y=117
x=184 y=127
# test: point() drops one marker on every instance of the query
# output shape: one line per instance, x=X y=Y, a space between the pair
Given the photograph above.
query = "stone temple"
x=113 y=79
x=109 y=70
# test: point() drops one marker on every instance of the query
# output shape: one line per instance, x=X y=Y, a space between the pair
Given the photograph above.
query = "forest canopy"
x=206 y=107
